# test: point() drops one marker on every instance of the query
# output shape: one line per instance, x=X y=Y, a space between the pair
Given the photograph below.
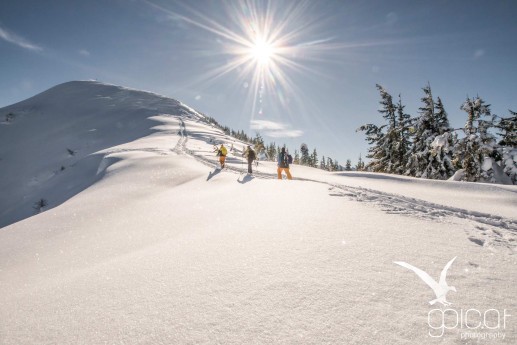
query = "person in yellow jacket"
x=221 y=152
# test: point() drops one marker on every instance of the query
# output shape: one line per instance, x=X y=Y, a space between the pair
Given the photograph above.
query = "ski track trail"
x=181 y=145
x=483 y=229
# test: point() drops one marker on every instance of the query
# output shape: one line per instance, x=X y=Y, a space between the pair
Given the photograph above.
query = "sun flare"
x=262 y=51
x=265 y=45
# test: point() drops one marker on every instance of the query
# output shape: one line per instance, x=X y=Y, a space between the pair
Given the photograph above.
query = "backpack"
x=289 y=159
x=285 y=160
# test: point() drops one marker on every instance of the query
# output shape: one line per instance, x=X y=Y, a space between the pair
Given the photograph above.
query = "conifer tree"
x=337 y=167
x=258 y=143
x=374 y=137
x=424 y=132
x=360 y=164
x=314 y=159
x=305 y=158
x=508 y=145
x=508 y=128
x=442 y=167
x=382 y=150
x=323 y=166
x=426 y=160
x=348 y=165
x=388 y=160
x=384 y=140
x=271 y=152
x=470 y=152
x=296 y=159
x=441 y=117
x=403 y=145
x=330 y=164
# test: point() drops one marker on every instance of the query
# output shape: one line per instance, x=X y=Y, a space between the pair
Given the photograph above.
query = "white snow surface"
x=143 y=241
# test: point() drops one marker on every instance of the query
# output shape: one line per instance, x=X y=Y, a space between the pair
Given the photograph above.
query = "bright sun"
x=262 y=51
x=263 y=43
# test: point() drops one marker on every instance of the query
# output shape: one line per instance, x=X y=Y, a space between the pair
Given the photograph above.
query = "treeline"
x=270 y=151
x=426 y=146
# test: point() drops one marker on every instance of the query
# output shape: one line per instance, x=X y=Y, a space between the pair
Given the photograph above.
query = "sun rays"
x=264 y=46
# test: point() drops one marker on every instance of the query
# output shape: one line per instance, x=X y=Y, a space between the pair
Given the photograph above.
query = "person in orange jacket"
x=283 y=164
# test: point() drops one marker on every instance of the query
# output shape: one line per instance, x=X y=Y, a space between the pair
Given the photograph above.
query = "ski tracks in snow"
x=181 y=148
x=181 y=145
x=483 y=229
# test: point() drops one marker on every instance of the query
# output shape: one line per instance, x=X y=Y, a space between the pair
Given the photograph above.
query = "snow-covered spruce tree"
x=383 y=146
x=403 y=145
x=442 y=119
x=258 y=143
x=330 y=164
x=423 y=135
x=389 y=143
x=360 y=164
x=271 y=151
x=348 y=165
x=426 y=160
x=508 y=145
x=337 y=167
x=441 y=163
x=474 y=152
x=296 y=159
x=323 y=166
x=509 y=162
x=508 y=128
x=305 y=158
x=314 y=159
x=375 y=138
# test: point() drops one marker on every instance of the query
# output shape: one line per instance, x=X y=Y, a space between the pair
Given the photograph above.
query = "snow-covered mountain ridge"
x=46 y=149
x=51 y=147
x=143 y=241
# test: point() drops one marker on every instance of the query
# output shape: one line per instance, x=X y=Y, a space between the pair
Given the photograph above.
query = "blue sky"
x=316 y=84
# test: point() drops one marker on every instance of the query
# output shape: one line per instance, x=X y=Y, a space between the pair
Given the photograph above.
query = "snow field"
x=158 y=247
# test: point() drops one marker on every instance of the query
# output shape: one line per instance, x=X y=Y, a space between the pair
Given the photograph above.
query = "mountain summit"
x=52 y=143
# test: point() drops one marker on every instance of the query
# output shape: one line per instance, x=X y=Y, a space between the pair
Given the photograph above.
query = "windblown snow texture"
x=117 y=229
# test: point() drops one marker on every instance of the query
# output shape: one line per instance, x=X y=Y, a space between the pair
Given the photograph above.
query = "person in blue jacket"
x=283 y=164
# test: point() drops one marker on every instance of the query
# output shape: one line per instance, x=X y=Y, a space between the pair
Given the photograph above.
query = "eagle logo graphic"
x=440 y=288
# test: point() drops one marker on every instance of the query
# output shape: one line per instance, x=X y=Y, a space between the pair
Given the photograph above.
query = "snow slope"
x=143 y=241
x=50 y=148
